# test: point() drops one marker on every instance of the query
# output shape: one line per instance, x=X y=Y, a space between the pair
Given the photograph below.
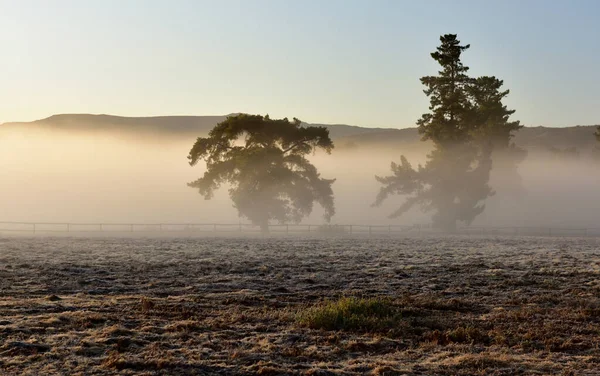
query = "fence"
x=297 y=229
x=53 y=227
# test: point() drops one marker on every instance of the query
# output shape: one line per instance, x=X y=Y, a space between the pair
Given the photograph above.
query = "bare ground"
x=468 y=306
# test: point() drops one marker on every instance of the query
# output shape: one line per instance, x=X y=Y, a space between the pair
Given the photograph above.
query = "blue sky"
x=334 y=61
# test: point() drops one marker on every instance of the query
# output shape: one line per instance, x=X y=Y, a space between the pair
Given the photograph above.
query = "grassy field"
x=410 y=306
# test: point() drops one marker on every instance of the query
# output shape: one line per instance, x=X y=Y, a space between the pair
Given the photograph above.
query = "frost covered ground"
x=467 y=305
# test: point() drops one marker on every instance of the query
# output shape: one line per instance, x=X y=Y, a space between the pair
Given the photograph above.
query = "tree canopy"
x=491 y=115
x=465 y=122
x=448 y=120
x=264 y=162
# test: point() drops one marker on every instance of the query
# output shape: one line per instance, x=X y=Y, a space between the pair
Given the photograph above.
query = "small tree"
x=270 y=177
x=598 y=134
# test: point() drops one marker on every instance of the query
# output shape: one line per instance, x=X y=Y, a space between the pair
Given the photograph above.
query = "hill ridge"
x=578 y=136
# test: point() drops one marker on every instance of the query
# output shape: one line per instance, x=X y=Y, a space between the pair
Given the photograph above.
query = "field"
x=432 y=306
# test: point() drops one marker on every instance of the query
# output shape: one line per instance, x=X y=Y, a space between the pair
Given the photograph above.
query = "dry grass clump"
x=482 y=363
x=182 y=326
x=435 y=303
x=146 y=305
x=118 y=361
x=23 y=348
x=466 y=335
x=351 y=314
x=81 y=320
x=53 y=298
x=162 y=308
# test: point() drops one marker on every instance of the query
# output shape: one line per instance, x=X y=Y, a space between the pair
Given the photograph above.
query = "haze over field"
x=357 y=63
x=82 y=168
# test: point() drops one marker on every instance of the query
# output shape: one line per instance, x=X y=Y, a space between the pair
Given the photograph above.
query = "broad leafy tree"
x=264 y=162
x=466 y=119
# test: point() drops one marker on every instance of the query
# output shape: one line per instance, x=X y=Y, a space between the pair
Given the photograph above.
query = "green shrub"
x=352 y=314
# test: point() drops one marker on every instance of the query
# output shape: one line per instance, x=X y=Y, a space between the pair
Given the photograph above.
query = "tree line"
x=265 y=161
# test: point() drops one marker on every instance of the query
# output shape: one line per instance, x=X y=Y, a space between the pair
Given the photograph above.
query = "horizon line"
x=235 y=113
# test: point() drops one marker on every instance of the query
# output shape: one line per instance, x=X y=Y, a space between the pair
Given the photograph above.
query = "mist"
x=67 y=176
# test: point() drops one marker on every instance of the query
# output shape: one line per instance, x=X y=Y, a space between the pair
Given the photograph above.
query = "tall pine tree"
x=466 y=120
x=447 y=123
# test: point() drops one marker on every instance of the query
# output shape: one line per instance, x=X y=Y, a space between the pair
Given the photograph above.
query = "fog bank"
x=66 y=176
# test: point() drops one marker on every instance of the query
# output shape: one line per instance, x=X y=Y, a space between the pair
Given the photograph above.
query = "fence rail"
x=243 y=228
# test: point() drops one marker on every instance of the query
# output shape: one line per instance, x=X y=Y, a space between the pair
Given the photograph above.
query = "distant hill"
x=175 y=126
x=168 y=125
x=345 y=136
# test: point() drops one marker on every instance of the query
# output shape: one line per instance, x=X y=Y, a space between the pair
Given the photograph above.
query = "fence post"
x=369 y=230
x=308 y=228
x=389 y=229
x=549 y=231
x=130 y=227
x=215 y=227
x=240 y=227
x=34 y=228
x=68 y=227
x=287 y=229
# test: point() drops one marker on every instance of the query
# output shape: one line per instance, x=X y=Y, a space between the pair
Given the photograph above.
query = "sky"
x=334 y=61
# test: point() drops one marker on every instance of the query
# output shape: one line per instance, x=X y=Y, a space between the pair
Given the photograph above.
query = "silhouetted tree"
x=270 y=177
x=598 y=134
x=448 y=122
x=466 y=121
